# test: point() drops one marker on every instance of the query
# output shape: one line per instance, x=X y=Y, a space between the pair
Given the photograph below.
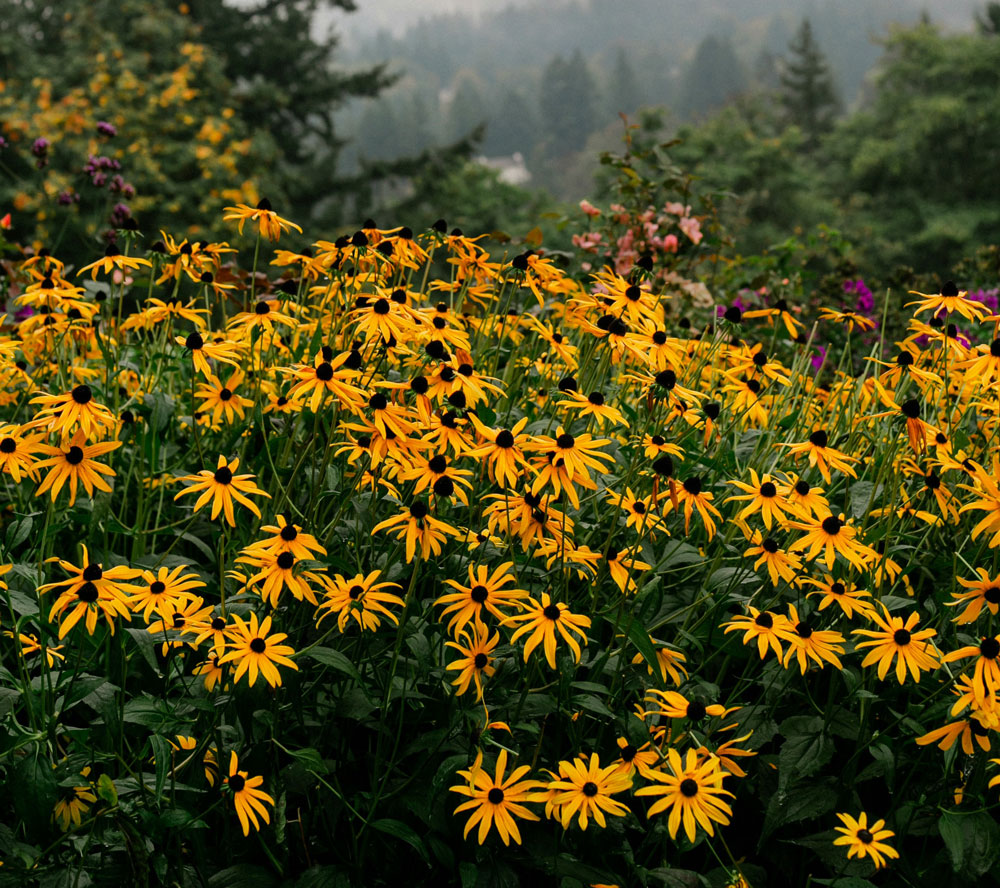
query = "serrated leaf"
x=804 y=801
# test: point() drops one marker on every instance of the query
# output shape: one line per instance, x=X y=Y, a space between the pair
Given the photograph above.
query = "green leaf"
x=640 y=638
x=804 y=801
x=335 y=660
x=33 y=788
x=846 y=882
x=106 y=789
x=401 y=831
x=8 y=697
x=163 y=753
x=243 y=875
x=310 y=759
x=805 y=751
x=18 y=532
x=972 y=840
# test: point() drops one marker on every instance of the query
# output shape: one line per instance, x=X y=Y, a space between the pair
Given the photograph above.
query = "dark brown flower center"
x=236 y=783
x=901 y=637
x=865 y=836
x=82 y=394
x=223 y=476
x=74 y=456
x=258 y=645
x=590 y=789
x=831 y=525
x=480 y=661
x=479 y=593
x=495 y=795
x=689 y=788
x=551 y=612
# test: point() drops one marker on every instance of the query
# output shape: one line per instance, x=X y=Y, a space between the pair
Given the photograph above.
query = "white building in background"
x=510 y=168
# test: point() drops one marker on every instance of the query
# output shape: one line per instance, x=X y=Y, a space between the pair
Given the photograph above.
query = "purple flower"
x=40 y=147
x=119 y=214
x=819 y=357
x=106 y=129
x=67 y=197
x=3 y=142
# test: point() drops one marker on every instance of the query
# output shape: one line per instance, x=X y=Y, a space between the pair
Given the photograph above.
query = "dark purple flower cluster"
x=97 y=168
x=67 y=197
x=40 y=148
x=120 y=213
x=106 y=129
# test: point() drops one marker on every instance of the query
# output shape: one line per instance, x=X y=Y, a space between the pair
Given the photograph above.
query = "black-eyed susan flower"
x=250 y=801
x=845 y=595
x=256 y=650
x=91 y=592
x=360 y=598
x=807 y=643
x=850 y=319
x=420 y=528
x=803 y=499
x=865 y=840
x=286 y=537
x=17 y=452
x=165 y=585
x=595 y=404
x=567 y=460
x=584 y=790
x=269 y=223
x=475 y=647
x=543 y=619
x=485 y=590
x=221 y=398
x=497 y=800
x=261 y=319
x=674 y=705
x=326 y=375
x=276 y=572
x=831 y=535
x=692 y=792
x=691 y=495
x=114 y=260
x=895 y=639
x=74 y=462
x=30 y=644
x=986 y=671
x=763 y=628
x=762 y=495
x=211 y=672
x=984 y=592
x=970 y=732
x=74 y=802
x=76 y=410
x=949 y=300
x=781 y=564
x=503 y=451
x=202 y=349
x=822 y=455
x=222 y=487
x=668 y=662
x=634 y=758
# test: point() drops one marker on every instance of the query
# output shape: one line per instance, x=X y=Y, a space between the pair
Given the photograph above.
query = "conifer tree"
x=808 y=94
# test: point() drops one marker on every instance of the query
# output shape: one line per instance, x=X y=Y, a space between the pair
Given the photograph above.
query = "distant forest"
x=549 y=81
